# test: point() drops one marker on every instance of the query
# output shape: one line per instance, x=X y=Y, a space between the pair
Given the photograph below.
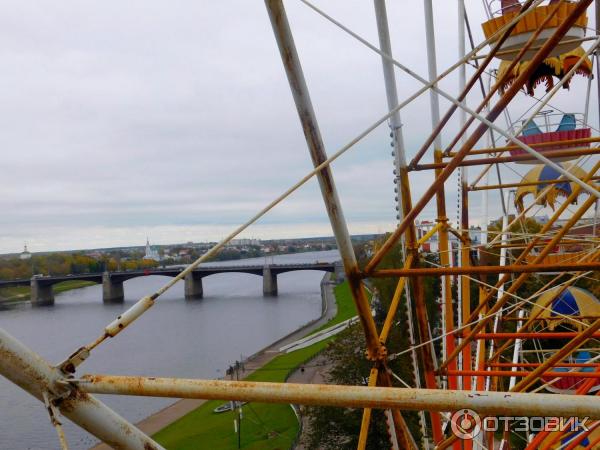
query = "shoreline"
x=59 y=288
x=164 y=417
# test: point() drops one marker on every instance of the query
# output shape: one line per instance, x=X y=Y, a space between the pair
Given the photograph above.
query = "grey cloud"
x=175 y=119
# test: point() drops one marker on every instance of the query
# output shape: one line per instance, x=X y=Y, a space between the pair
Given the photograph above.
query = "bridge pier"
x=41 y=293
x=193 y=286
x=112 y=292
x=269 y=282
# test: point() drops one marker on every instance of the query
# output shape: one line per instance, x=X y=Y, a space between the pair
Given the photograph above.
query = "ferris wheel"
x=517 y=333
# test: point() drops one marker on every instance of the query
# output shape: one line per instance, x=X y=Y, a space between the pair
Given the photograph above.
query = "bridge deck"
x=171 y=272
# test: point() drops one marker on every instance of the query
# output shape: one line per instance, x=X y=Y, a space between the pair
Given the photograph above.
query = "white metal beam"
x=484 y=403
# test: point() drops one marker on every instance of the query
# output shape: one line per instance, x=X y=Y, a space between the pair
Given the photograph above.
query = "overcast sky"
x=174 y=120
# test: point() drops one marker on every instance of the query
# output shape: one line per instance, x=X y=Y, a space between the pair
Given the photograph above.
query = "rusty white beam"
x=485 y=403
x=404 y=203
x=32 y=373
x=314 y=142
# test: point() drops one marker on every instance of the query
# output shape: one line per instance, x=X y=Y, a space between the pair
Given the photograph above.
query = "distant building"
x=241 y=242
x=150 y=252
x=475 y=235
x=25 y=253
x=423 y=227
x=432 y=244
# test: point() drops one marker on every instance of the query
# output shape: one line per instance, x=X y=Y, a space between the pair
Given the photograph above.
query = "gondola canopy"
x=557 y=66
x=537 y=180
x=538 y=23
x=556 y=307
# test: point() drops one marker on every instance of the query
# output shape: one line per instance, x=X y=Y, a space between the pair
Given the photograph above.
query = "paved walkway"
x=315 y=372
x=171 y=413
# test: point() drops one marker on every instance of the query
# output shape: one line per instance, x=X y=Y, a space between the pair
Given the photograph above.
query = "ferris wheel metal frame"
x=465 y=375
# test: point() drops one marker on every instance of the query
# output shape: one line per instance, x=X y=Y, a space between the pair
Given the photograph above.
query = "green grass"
x=14 y=293
x=23 y=292
x=345 y=307
x=264 y=426
x=71 y=284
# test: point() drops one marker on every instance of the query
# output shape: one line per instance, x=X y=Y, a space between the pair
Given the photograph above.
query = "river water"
x=194 y=339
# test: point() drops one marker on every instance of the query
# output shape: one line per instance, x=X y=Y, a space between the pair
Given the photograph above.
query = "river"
x=194 y=339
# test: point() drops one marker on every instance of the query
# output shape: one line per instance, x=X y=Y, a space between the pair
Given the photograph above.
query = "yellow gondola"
x=542 y=174
x=557 y=66
x=557 y=308
x=531 y=22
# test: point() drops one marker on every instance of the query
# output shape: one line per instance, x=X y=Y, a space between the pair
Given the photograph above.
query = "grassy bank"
x=264 y=426
x=23 y=292
x=345 y=307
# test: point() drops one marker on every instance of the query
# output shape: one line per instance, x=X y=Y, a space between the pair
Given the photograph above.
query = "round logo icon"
x=465 y=424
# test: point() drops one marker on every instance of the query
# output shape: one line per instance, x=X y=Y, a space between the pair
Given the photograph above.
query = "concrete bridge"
x=112 y=282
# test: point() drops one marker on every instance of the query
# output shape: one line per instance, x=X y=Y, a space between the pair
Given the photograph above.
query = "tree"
x=338 y=428
x=591 y=283
x=521 y=235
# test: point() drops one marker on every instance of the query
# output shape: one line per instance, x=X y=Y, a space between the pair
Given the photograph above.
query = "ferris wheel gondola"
x=567 y=309
x=550 y=68
x=546 y=133
x=544 y=178
x=573 y=306
x=549 y=133
x=502 y=12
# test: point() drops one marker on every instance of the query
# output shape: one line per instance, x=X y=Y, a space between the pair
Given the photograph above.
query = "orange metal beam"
x=485 y=270
x=481 y=129
x=509 y=373
x=555 y=359
x=473 y=80
x=393 y=309
x=542 y=243
x=530 y=320
x=487 y=150
x=549 y=246
x=512 y=319
x=589 y=202
x=581 y=390
x=562 y=364
x=512 y=185
x=444 y=252
x=505 y=159
x=541 y=335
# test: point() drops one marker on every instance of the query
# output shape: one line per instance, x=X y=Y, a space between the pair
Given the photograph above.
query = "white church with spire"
x=150 y=252
x=25 y=254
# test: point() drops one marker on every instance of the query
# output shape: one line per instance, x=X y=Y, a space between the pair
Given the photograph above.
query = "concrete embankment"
x=171 y=413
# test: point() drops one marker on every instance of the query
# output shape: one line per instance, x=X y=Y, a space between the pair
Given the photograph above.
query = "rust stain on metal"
x=69 y=403
x=338 y=395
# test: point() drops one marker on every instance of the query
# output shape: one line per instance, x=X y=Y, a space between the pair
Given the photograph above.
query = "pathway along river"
x=195 y=339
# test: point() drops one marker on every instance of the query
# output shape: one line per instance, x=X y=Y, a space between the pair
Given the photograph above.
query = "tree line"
x=69 y=263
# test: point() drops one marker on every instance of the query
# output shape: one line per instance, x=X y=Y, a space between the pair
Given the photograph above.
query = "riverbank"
x=22 y=293
x=182 y=423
